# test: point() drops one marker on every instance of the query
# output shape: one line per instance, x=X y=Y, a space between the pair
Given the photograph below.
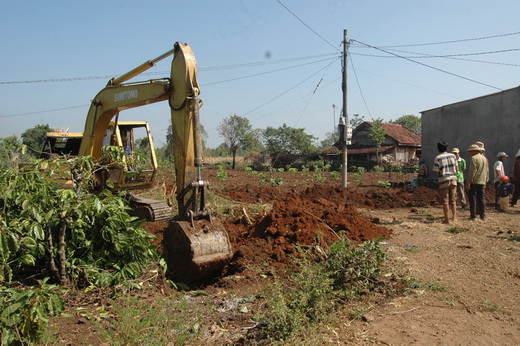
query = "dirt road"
x=468 y=283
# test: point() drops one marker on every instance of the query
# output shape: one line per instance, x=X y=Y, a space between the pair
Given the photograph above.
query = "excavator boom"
x=199 y=242
x=196 y=246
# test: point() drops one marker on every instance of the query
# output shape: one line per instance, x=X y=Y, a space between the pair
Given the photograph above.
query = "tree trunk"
x=50 y=255
x=62 y=261
x=234 y=156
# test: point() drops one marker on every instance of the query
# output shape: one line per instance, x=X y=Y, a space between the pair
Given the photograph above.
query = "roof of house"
x=355 y=151
x=398 y=132
x=401 y=134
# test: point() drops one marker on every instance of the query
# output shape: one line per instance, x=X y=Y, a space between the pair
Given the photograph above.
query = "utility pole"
x=344 y=136
x=334 y=113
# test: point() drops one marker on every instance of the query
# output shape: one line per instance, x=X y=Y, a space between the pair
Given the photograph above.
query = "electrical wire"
x=453 y=41
x=164 y=72
x=314 y=92
x=447 y=56
x=431 y=67
x=38 y=112
x=306 y=25
x=266 y=72
x=359 y=87
x=286 y=91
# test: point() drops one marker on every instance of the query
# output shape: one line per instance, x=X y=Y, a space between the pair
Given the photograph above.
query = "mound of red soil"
x=300 y=222
x=304 y=215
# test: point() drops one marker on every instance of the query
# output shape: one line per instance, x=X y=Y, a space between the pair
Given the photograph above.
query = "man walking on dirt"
x=478 y=177
x=445 y=165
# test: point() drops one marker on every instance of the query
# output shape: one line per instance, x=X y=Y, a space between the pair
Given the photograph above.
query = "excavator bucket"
x=196 y=251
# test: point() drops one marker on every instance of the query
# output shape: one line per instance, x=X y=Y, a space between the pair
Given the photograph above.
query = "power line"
x=155 y=73
x=38 y=112
x=359 y=87
x=447 y=56
x=432 y=67
x=308 y=27
x=314 y=92
x=262 y=73
x=453 y=41
x=270 y=62
x=286 y=91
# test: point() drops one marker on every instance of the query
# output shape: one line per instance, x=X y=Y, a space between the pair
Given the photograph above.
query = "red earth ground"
x=267 y=224
x=304 y=213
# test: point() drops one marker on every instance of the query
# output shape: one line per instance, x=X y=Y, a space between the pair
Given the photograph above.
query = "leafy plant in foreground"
x=24 y=314
x=69 y=234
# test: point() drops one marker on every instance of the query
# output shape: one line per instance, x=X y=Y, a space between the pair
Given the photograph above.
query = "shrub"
x=221 y=173
x=24 y=314
x=383 y=183
x=348 y=271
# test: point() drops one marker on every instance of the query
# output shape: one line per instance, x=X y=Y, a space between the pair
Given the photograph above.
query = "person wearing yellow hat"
x=478 y=176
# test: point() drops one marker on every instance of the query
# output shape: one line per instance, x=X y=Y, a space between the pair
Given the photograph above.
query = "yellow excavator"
x=195 y=244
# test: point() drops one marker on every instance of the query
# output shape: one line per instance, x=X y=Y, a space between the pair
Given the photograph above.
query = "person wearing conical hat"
x=478 y=177
x=516 y=179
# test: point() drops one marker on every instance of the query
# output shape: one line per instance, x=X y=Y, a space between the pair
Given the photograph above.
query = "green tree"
x=378 y=135
x=34 y=138
x=237 y=133
x=330 y=139
x=288 y=140
x=356 y=120
x=10 y=149
x=410 y=121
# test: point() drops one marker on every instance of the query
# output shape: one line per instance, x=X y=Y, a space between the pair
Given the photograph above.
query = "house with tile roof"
x=400 y=147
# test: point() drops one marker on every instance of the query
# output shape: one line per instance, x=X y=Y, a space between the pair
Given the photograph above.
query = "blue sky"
x=271 y=61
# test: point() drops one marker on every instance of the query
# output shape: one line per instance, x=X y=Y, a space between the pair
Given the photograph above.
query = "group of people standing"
x=449 y=169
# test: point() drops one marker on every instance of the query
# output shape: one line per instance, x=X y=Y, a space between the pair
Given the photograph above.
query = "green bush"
x=383 y=183
x=69 y=235
x=221 y=173
x=24 y=314
x=347 y=272
x=354 y=269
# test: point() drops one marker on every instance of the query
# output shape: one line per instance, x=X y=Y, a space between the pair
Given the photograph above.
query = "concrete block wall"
x=493 y=119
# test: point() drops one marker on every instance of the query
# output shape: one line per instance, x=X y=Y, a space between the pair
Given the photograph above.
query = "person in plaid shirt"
x=445 y=165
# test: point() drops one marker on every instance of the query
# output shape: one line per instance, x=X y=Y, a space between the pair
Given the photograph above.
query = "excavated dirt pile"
x=303 y=214
x=299 y=220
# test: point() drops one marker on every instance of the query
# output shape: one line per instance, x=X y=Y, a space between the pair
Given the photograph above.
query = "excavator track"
x=149 y=209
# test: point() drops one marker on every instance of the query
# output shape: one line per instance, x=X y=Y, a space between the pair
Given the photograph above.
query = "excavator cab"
x=139 y=162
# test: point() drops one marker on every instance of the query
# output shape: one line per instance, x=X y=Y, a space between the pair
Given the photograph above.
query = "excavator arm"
x=195 y=245
x=199 y=245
